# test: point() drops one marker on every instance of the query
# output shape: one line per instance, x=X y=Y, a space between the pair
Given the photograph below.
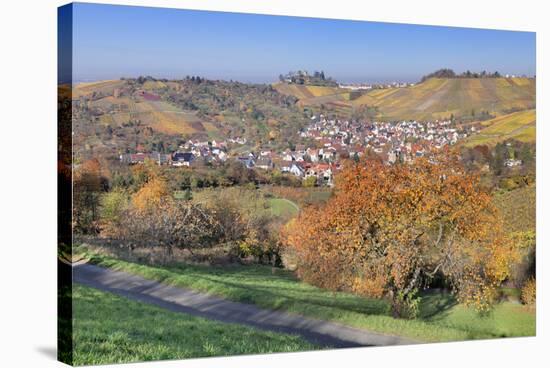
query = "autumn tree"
x=113 y=206
x=152 y=217
x=389 y=229
x=169 y=224
x=88 y=184
x=246 y=223
x=150 y=194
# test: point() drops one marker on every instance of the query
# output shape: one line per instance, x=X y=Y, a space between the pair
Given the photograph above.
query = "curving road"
x=181 y=300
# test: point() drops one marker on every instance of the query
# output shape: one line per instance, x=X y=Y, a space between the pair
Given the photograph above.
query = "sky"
x=110 y=42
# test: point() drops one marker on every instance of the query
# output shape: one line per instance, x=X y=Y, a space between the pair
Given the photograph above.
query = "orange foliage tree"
x=150 y=194
x=388 y=230
x=153 y=186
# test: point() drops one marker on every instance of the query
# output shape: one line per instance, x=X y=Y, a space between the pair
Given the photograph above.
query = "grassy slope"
x=442 y=319
x=315 y=95
x=519 y=125
x=283 y=207
x=112 y=329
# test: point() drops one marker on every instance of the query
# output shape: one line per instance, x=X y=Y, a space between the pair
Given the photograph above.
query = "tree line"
x=449 y=73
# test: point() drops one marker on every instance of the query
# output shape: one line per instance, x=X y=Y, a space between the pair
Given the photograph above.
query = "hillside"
x=434 y=98
x=302 y=91
x=159 y=115
x=144 y=113
x=106 y=87
x=439 y=98
x=519 y=125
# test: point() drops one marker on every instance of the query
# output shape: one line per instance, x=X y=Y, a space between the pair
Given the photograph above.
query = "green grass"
x=441 y=319
x=112 y=329
x=283 y=207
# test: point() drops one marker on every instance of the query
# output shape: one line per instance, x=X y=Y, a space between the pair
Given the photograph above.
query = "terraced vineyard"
x=301 y=91
x=159 y=115
x=439 y=98
x=435 y=98
x=519 y=125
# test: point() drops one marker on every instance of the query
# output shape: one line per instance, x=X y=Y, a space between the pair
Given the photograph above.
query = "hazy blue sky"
x=122 y=41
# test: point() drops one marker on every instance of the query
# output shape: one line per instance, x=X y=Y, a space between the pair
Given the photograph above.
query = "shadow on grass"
x=436 y=305
x=252 y=294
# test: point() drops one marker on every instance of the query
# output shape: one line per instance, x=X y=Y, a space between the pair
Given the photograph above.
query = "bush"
x=246 y=221
x=529 y=292
x=113 y=205
x=170 y=224
x=310 y=182
x=406 y=305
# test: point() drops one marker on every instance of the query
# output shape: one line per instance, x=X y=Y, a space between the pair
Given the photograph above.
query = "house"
x=139 y=158
x=313 y=154
x=183 y=158
x=297 y=170
x=246 y=161
x=264 y=163
x=286 y=166
x=512 y=162
x=392 y=157
x=132 y=158
x=266 y=153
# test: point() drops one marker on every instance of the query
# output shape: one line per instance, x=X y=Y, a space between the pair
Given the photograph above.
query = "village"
x=326 y=143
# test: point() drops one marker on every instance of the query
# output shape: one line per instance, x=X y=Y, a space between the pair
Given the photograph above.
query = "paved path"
x=212 y=307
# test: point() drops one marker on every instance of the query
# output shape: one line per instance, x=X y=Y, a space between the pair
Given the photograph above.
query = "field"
x=519 y=125
x=435 y=98
x=441 y=318
x=333 y=97
x=106 y=87
x=301 y=196
x=283 y=207
x=113 y=329
x=159 y=115
x=301 y=91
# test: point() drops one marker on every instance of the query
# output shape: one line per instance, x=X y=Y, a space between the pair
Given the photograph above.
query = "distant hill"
x=519 y=125
x=435 y=98
x=332 y=97
x=159 y=115
x=104 y=87
x=145 y=113
x=440 y=97
x=302 y=91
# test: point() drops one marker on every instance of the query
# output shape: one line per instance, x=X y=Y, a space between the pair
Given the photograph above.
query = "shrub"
x=170 y=224
x=387 y=230
x=529 y=292
x=113 y=205
x=246 y=222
